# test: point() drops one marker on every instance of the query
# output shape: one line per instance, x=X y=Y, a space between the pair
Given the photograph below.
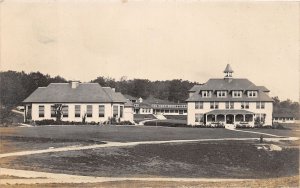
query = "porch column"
x=25 y=112
x=205 y=119
x=225 y=118
x=244 y=119
x=234 y=119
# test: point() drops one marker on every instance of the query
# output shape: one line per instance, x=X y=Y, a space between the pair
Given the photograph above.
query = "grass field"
x=213 y=159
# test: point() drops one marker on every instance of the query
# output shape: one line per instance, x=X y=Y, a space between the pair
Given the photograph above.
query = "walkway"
x=33 y=177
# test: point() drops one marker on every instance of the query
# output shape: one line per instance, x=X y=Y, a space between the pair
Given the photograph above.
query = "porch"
x=234 y=117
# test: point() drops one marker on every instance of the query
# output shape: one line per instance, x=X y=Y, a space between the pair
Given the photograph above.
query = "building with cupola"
x=229 y=100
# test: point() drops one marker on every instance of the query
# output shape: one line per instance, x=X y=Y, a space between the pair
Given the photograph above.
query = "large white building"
x=78 y=101
x=229 y=100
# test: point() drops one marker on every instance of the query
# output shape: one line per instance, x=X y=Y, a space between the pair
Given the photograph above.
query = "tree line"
x=16 y=86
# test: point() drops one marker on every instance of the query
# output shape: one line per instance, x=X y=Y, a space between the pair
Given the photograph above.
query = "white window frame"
x=237 y=94
x=252 y=94
x=221 y=94
x=206 y=94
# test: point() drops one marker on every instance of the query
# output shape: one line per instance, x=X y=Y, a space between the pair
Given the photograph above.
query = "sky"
x=155 y=40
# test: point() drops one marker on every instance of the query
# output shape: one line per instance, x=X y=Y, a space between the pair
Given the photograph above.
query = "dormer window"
x=206 y=94
x=236 y=94
x=221 y=94
x=252 y=93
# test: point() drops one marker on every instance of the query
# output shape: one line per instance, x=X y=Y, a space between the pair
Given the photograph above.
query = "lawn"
x=228 y=159
x=24 y=138
x=214 y=159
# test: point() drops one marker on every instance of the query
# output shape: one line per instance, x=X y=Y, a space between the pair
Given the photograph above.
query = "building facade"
x=157 y=106
x=283 y=118
x=229 y=100
x=77 y=102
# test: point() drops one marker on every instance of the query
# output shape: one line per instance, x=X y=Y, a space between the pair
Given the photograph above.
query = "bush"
x=164 y=123
x=124 y=123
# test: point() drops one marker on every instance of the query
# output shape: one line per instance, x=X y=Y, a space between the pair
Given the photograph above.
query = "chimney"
x=140 y=100
x=74 y=84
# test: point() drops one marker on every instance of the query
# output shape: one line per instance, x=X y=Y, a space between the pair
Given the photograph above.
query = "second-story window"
x=229 y=105
x=214 y=105
x=199 y=105
x=244 y=105
x=260 y=105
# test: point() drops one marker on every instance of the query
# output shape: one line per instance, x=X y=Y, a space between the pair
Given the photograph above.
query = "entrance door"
x=229 y=119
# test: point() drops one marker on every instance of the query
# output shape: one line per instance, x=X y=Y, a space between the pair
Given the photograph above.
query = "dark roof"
x=152 y=100
x=114 y=96
x=283 y=114
x=233 y=112
x=63 y=93
x=143 y=105
x=228 y=69
x=235 y=84
x=263 y=88
x=130 y=97
x=195 y=88
x=223 y=84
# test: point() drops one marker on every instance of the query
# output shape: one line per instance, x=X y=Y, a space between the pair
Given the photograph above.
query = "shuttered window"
x=53 y=111
x=65 y=111
x=101 y=110
x=77 y=111
x=89 y=111
x=41 y=111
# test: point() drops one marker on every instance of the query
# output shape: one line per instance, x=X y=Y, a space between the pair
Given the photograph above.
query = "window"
x=121 y=111
x=101 y=110
x=65 y=111
x=199 y=105
x=221 y=94
x=229 y=105
x=260 y=105
x=244 y=105
x=237 y=94
x=252 y=93
x=216 y=105
x=257 y=105
x=77 y=111
x=199 y=117
x=206 y=94
x=211 y=105
x=247 y=105
x=89 y=111
x=42 y=111
x=115 y=111
x=53 y=111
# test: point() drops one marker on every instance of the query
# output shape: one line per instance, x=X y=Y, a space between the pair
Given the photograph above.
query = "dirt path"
x=33 y=177
x=125 y=144
x=253 y=132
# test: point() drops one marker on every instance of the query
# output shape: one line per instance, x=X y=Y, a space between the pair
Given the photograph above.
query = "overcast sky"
x=155 y=40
